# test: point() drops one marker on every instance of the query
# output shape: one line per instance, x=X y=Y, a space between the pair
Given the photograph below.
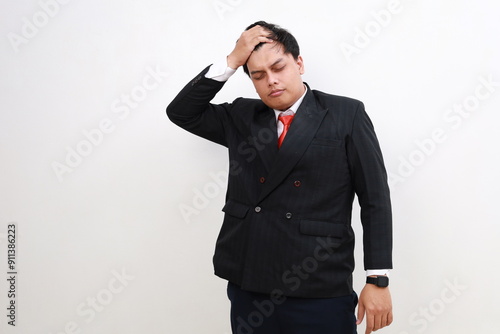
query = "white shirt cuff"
x=219 y=71
x=376 y=272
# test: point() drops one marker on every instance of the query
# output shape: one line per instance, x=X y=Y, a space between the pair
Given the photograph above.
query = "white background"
x=117 y=208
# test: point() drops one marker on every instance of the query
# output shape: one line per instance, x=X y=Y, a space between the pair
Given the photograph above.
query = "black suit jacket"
x=287 y=224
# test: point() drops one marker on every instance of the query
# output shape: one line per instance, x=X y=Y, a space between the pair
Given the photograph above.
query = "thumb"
x=361 y=313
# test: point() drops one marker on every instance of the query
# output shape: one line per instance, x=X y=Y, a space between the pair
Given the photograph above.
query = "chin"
x=276 y=105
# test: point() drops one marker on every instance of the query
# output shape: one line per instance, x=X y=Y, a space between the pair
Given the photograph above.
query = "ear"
x=300 y=63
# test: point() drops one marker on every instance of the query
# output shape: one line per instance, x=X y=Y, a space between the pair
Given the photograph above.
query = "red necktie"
x=286 y=120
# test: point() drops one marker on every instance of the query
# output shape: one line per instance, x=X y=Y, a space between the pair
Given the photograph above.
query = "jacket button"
x=297 y=183
x=262 y=180
x=288 y=215
x=257 y=209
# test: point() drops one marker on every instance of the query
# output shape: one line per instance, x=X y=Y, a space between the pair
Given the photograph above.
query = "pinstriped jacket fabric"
x=287 y=224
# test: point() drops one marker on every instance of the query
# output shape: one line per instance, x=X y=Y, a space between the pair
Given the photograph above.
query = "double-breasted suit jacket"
x=287 y=223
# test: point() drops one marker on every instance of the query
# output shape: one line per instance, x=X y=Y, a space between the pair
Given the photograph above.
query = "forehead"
x=267 y=55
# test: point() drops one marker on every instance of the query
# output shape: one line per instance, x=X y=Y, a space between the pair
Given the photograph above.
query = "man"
x=297 y=158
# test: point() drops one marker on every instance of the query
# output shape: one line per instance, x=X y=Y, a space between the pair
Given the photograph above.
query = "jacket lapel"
x=264 y=133
x=305 y=124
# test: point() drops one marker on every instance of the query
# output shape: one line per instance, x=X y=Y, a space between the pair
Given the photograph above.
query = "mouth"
x=276 y=92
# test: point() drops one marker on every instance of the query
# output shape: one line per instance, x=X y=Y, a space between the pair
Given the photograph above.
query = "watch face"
x=382 y=281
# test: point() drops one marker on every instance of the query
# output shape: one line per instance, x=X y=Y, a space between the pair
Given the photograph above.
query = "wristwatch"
x=380 y=281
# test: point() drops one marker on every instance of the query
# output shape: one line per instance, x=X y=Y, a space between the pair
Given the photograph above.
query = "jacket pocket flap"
x=235 y=209
x=322 y=228
x=327 y=142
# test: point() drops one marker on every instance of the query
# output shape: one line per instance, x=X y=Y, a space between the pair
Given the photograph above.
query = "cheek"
x=260 y=88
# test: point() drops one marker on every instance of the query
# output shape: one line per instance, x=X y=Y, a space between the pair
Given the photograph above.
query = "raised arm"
x=191 y=108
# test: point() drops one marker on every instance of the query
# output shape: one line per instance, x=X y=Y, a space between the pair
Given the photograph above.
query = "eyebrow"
x=274 y=64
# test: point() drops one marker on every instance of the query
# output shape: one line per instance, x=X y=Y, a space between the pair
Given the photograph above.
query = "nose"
x=272 y=79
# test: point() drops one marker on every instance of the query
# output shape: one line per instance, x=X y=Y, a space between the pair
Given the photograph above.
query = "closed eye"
x=258 y=77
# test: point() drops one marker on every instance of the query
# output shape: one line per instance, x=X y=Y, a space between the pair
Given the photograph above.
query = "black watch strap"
x=380 y=281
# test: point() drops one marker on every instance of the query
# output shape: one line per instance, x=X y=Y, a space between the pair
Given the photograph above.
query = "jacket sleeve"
x=371 y=187
x=191 y=109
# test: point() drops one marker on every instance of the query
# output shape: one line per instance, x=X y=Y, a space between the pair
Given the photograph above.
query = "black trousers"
x=254 y=313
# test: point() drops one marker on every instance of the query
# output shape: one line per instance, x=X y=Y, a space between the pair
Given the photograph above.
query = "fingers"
x=259 y=30
x=255 y=36
x=370 y=319
x=361 y=314
x=245 y=45
x=377 y=322
x=386 y=320
x=374 y=322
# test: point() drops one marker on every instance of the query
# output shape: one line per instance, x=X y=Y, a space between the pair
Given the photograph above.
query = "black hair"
x=281 y=36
